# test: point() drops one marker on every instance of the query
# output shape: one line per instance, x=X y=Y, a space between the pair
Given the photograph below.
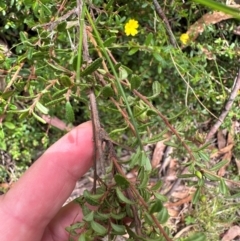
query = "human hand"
x=32 y=209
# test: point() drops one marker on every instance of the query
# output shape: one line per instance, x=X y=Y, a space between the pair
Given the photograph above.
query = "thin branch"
x=227 y=108
x=165 y=120
x=98 y=154
x=139 y=198
x=162 y=15
x=51 y=25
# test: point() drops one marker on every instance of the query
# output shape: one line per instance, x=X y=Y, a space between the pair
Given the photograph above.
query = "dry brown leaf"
x=180 y=202
x=158 y=153
x=182 y=192
x=232 y=233
x=205 y=20
x=221 y=139
x=238 y=165
x=228 y=154
x=222 y=151
x=222 y=170
x=209 y=55
x=173 y=212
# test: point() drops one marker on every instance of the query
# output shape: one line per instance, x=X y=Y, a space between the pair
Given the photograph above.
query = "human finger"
x=36 y=198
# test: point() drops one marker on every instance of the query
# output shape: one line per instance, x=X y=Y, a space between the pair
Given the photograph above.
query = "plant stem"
x=120 y=88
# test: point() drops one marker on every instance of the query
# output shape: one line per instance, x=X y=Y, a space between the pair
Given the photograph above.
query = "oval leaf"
x=197 y=237
x=122 y=197
x=223 y=187
x=69 y=113
x=98 y=228
x=42 y=108
x=119 y=229
x=109 y=41
x=163 y=216
x=92 y=67
x=156 y=207
x=107 y=91
x=121 y=181
x=89 y=217
x=135 y=82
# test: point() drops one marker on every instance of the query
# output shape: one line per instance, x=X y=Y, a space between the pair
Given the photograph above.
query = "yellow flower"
x=131 y=27
x=184 y=38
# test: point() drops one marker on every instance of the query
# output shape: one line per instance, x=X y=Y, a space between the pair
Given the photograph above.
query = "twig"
x=139 y=198
x=162 y=15
x=98 y=153
x=233 y=95
x=51 y=25
x=165 y=120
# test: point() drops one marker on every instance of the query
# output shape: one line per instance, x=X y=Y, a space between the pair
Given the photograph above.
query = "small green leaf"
x=143 y=177
x=157 y=185
x=56 y=67
x=156 y=207
x=119 y=229
x=158 y=57
x=39 y=118
x=92 y=199
x=98 y=228
x=121 y=181
x=236 y=195
x=148 y=219
x=133 y=51
x=69 y=113
x=163 y=216
x=219 y=165
x=144 y=192
x=186 y=175
x=197 y=237
x=157 y=137
x=101 y=216
x=65 y=81
x=109 y=41
x=23 y=36
x=9 y=125
x=82 y=237
x=129 y=211
x=135 y=82
x=160 y=197
x=122 y=197
x=196 y=195
x=135 y=158
x=42 y=108
x=211 y=177
x=7 y=94
x=204 y=156
x=118 y=216
x=223 y=187
x=145 y=162
x=92 y=67
x=123 y=74
x=107 y=91
x=129 y=71
x=169 y=143
x=89 y=217
x=59 y=93
x=148 y=39
x=61 y=27
x=156 y=88
x=23 y=115
x=56 y=101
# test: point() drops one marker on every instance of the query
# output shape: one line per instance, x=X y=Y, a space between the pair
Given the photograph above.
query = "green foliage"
x=54 y=61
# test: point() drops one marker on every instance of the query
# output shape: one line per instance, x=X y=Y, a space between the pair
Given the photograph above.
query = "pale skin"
x=32 y=208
